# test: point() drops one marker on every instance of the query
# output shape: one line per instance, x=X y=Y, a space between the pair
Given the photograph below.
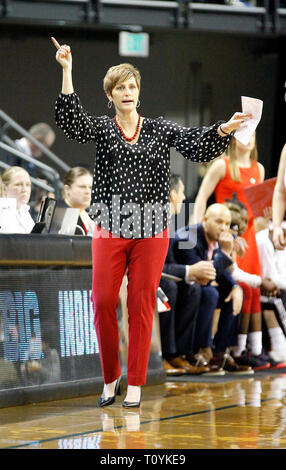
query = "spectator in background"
x=227 y=175
x=177 y=326
x=252 y=286
x=16 y=191
x=273 y=263
x=279 y=203
x=212 y=240
x=42 y=365
x=77 y=194
x=44 y=134
x=238 y=227
x=238 y=169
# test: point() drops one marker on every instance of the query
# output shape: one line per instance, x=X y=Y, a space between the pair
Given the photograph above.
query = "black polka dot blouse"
x=130 y=193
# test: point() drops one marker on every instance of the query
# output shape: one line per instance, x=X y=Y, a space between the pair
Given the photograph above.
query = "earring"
x=109 y=104
x=138 y=104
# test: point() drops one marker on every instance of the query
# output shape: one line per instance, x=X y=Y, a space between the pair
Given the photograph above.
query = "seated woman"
x=77 y=194
x=15 y=214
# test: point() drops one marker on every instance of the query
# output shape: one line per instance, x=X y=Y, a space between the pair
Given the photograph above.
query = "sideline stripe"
x=194 y=413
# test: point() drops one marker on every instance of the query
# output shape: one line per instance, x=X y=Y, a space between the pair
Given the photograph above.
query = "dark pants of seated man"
x=226 y=336
x=177 y=326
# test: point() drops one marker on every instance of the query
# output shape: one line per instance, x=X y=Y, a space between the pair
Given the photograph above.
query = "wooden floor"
x=234 y=414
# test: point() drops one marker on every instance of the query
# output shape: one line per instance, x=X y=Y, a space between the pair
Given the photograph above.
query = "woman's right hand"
x=63 y=55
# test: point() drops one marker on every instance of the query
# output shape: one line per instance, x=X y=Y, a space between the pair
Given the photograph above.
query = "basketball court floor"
x=183 y=413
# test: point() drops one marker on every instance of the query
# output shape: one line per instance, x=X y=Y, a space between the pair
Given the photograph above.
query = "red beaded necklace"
x=128 y=139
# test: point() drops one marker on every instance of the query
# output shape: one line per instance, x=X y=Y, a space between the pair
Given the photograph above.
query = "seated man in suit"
x=212 y=241
x=44 y=134
x=177 y=326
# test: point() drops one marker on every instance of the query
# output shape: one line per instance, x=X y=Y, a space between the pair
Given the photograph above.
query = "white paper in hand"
x=245 y=131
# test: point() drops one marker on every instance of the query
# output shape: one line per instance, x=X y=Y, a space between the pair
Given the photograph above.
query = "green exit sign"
x=133 y=44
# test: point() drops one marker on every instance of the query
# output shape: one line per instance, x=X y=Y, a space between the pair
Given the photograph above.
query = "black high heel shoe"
x=110 y=400
x=131 y=404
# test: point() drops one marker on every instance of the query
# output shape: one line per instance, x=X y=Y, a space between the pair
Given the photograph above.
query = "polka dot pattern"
x=130 y=180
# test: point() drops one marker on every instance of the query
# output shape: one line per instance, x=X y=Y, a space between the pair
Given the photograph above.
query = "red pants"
x=144 y=259
x=251 y=299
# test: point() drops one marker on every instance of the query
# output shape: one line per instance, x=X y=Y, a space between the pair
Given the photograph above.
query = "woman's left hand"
x=235 y=121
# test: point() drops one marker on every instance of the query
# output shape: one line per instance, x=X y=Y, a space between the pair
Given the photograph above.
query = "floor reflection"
x=238 y=414
x=247 y=414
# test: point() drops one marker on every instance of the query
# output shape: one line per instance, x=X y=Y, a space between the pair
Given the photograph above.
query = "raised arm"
x=64 y=58
x=278 y=203
x=215 y=173
x=70 y=116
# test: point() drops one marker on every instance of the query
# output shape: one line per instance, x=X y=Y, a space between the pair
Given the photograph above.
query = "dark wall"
x=230 y=67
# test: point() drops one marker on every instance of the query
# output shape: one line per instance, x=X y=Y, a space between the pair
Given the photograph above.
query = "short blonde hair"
x=118 y=74
x=8 y=174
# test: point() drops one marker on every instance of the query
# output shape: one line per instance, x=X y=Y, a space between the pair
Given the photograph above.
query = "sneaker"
x=258 y=362
x=228 y=364
x=278 y=356
x=264 y=356
x=276 y=364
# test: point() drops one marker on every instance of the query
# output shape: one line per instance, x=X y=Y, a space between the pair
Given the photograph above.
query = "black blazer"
x=190 y=247
x=172 y=266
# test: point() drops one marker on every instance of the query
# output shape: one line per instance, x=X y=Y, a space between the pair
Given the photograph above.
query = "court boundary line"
x=70 y=436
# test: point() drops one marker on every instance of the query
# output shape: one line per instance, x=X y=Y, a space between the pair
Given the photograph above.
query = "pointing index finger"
x=55 y=42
